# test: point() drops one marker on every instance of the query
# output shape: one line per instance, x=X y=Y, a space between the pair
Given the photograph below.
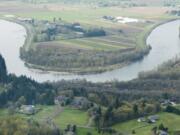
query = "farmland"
x=73 y=116
x=105 y=43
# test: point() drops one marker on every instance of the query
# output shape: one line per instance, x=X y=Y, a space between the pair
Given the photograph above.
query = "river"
x=164 y=41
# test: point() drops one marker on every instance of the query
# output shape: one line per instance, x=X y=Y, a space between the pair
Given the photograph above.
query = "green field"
x=71 y=116
x=84 y=131
x=172 y=121
x=95 y=44
x=3 y=112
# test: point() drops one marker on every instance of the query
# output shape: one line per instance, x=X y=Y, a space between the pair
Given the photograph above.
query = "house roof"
x=153 y=117
x=163 y=133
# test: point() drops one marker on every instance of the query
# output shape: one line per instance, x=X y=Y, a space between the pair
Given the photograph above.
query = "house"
x=109 y=17
x=27 y=109
x=168 y=102
x=163 y=133
x=77 y=27
x=142 y=119
x=69 y=133
x=61 y=100
x=153 y=118
x=27 y=20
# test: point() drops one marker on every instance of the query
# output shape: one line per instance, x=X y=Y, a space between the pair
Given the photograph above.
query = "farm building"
x=27 y=109
x=153 y=118
x=142 y=119
x=27 y=20
x=163 y=133
x=168 y=102
x=61 y=100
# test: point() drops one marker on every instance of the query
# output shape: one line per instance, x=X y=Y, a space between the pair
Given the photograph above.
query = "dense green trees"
x=22 y=89
x=32 y=91
x=81 y=61
x=175 y=12
x=172 y=109
x=3 y=70
x=95 y=33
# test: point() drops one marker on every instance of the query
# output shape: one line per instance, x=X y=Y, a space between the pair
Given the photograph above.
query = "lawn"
x=71 y=116
x=91 y=44
x=170 y=120
x=84 y=131
x=3 y=113
x=178 y=106
x=45 y=112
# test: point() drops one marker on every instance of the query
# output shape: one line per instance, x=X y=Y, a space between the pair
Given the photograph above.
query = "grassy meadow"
x=172 y=121
x=71 y=116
